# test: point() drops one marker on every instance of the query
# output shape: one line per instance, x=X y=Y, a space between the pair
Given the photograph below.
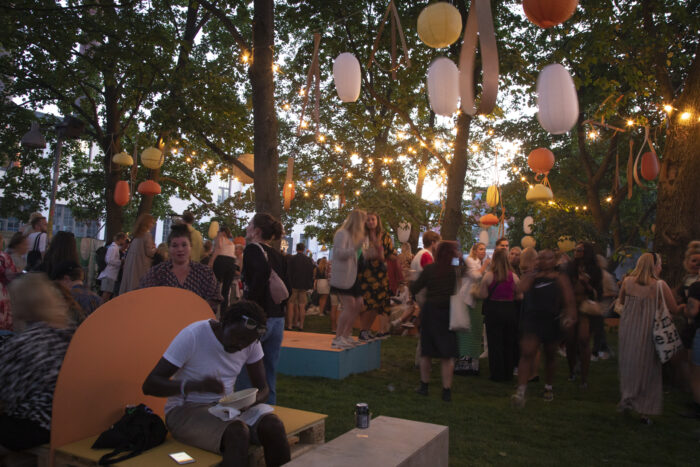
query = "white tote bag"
x=666 y=338
x=459 y=312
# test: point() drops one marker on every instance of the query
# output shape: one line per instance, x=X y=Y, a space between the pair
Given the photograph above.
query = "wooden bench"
x=387 y=442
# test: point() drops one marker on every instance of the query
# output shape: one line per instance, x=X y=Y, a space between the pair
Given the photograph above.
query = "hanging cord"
x=314 y=73
x=395 y=27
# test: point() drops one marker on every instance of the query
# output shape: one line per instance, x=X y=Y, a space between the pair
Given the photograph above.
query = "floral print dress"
x=7 y=271
x=374 y=279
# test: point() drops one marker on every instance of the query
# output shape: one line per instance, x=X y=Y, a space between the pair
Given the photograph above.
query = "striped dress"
x=641 y=386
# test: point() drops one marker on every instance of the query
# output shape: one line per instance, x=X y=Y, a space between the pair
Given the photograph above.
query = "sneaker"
x=517 y=400
x=408 y=325
x=339 y=343
x=548 y=395
x=515 y=371
x=422 y=389
x=561 y=352
x=594 y=358
x=447 y=394
x=366 y=336
x=350 y=341
x=396 y=323
x=604 y=355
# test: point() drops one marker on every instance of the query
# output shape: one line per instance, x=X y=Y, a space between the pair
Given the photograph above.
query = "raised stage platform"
x=310 y=354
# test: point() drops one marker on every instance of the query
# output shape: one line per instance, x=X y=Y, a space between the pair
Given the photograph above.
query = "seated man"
x=206 y=358
x=70 y=275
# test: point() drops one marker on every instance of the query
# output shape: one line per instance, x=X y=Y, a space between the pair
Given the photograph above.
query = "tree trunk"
x=267 y=190
x=455 y=181
x=111 y=144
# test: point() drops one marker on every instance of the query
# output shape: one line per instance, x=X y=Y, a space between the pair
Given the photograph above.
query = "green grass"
x=580 y=427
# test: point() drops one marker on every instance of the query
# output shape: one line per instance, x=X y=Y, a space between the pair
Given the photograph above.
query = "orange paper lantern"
x=548 y=13
x=650 y=166
x=121 y=193
x=239 y=241
x=288 y=193
x=488 y=220
x=149 y=187
x=541 y=160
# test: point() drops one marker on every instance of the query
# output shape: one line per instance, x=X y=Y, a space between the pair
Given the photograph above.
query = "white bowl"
x=240 y=399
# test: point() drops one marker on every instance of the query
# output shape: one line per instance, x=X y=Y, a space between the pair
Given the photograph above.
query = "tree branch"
x=225 y=157
x=663 y=77
x=228 y=25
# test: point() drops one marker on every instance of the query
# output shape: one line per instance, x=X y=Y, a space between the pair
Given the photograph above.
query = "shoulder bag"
x=278 y=291
x=666 y=338
x=459 y=312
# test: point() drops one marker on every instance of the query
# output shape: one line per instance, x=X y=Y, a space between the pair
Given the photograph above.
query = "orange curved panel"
x=111 y=354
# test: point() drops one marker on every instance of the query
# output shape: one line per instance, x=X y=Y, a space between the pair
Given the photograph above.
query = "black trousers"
x=225 y=270
x=502 y=336
x=18 y=434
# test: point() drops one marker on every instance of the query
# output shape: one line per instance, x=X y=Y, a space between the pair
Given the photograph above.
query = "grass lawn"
x=580 y=427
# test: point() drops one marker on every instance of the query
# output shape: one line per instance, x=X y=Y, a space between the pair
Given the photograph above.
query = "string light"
x=685 y=116
x=194 y=153
x=302 y=91
x=400 y=135
x=384 y=183
x=286 y=107
x=321 y=138
x=349 y=174
x=474 y=147
x=522 y=179
x=423 y=145
x=304 y=124
x=609 y=199
x=490 y=132
x=235 y=179
x=330 y=180
x=210 y=162
x=275 y=68
x=338 y=148
x=668 y=108
x=308 y=183
x=592 y=134
x=306 y=194
x=630 y=122
x=245 y=57
x=357 y=192
x=189 y=159
x=355 y=155
x=174 y=151
x=320 y=196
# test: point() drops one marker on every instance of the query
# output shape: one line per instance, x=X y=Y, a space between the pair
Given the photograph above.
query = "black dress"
x=436 y=339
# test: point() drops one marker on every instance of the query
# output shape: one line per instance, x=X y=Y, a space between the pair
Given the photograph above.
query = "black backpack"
x=137 y=431
x=100 y=258
x=34 y=255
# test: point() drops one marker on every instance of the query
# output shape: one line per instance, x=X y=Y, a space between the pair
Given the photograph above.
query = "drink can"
x=362 y=415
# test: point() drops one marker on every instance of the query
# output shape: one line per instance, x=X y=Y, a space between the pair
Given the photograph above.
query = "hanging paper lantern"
x=528 y=242
x=247 y=160
x=148 y=187
x=565 y=244
x=121 y=193
x=123 y=158
x=557 y=102
x=541 y=160
x=484 y=237
x=439 y=25
x=492 y=196
x=404 y=231
x=539 y=192
x=288 y=194
x=347 y=77
x=488 y=220
x=443 y=86
x=152 y=158
x=213 y=229
x=548 y=13
x=527 y=224
x=650 y=166
x=239 y=241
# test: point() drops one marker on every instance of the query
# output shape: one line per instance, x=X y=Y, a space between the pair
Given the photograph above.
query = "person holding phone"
x=202 y=364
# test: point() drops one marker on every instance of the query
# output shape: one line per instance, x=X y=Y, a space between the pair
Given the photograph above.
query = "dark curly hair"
x=179 y=231
x=241 y=308
x=270 y=228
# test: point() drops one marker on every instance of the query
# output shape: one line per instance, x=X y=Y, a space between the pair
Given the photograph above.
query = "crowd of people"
x=522 y=304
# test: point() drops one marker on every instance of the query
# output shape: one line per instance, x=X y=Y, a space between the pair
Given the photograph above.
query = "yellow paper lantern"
x=123 y=158
x=528 y=242
x=249 y=161
x=213 y=229
x=152 y=158
x=439 y=25
x=492 y=196
x=539 y=192
x=565 y=244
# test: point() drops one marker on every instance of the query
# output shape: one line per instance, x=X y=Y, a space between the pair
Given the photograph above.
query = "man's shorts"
x=298 y=297
x=107 y=284
x=334 y=299
x=192 y=424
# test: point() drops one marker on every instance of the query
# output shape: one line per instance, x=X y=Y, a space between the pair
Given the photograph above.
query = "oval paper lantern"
x=527 y=224
x=346 y=76
x=404 y=231
x=650 y=166
x=528 y=242
x=239 y=241
x=541 y=160
x=123 y=158
x=484 y=237
x=121 y=193
x=492 y=196
x=539 y=192
x=249 y=161
x=488 y=220
x=557 y=102
x=148 y=187
x=439 y=25
x=565 y=244
x=443 y=86
x=152 y=158
x=548 y=13
x=213 y=229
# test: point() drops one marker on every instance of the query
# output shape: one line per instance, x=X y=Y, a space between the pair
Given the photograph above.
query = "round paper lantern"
x=152 y=158
x=541 y=160
x=404 y=231
x=148 y=187
x=492 y=196
x=484 y=237
x=548 y=13
x=539 y=192
x=123 y=158
x=650 y=166
x=527 y=224
x=213 y=229
x=565 y=244
x=488 y=220
x=439 y=25
x=249 y=161
x=346 y=76
x=557 y=102
x=121 y=193
x=528 y=242
x=443 y=86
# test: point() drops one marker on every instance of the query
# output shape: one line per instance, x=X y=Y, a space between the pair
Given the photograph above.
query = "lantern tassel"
x=639 y=154
x=309 y=77
x=287 y=191
x=630 y=163
x=395 y=27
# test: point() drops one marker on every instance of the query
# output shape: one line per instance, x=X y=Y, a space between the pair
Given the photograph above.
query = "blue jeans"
x=271 y=344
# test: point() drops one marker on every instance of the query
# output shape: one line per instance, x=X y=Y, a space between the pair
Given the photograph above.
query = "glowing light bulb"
x=609 y=199
x=630 y=122
x=329 y=180
x=357 y=192
x=685 y=116
x=245 y=58
x=338 y=148
x=302 y=91
x=275 y=68
x=384 y=183
x=304 y=124
x=349 y=174
x=189 y=159
x=321 y=138
x=474 y=147
x=668 y=108
x=286 y=107
x=400 y=135
x=308 y=183
x=306 y=194
x=423 y=145
x=522 y=179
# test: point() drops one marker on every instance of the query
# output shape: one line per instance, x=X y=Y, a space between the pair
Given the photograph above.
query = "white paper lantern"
x=484 y=237
x=346 y=76
x=557 y=101
x=443 y=86
x=527 y=224
x=404 y=231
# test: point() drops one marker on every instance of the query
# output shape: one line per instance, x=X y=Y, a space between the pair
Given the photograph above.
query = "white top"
x=225 y=247
x=111 y=271
x=473 y=268
x=416 y=268
x=199 y=354
x=344 y=263
x=42 y=241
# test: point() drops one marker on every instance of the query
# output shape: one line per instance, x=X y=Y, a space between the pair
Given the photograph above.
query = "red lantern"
x=541 y=160
x=488 y=220
x=548 y=13
x=149 y=187
x=121 y=193
x=650 y=166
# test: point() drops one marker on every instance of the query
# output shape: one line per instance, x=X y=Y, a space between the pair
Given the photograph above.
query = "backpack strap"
x=36 y=241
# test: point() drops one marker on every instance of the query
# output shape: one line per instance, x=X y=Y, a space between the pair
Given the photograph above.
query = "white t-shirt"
x=42 y=241
x=199 y=354
x=111 y=271
x=416 y=267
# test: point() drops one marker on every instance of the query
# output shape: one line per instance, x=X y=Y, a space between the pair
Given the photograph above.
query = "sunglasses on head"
x=252 y=324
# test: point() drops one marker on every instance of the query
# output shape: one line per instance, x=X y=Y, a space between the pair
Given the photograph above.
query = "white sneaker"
x=350 y=341
x=339 y=343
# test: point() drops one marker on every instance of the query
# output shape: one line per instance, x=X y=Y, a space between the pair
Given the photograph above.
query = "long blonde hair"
x=34 y=298
x=355 y=225
x=644 y=271
x=142 y=224
x=475 y=247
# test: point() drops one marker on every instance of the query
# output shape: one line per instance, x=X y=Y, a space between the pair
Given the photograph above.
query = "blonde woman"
x=641 y=387
x=139 y=258
x=344 y=280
